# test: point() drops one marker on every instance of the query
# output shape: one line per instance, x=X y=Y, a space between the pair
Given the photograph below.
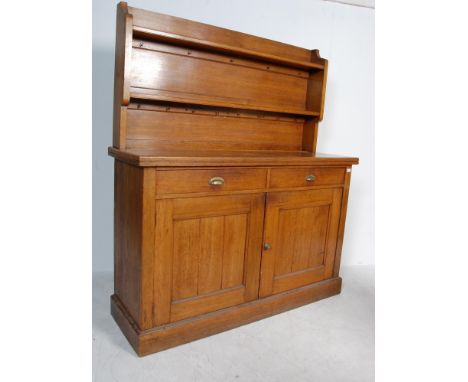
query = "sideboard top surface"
x=190 y=158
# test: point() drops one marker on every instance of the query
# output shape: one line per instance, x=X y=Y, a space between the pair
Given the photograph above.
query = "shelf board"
x=217 y=47
x=144 y=94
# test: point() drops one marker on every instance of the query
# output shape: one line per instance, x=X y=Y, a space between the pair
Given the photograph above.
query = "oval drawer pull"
x=310 y=178
x=216 y=181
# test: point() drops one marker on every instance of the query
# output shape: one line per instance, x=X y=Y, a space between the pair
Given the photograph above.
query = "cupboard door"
x=300 y=238
x=207 y=254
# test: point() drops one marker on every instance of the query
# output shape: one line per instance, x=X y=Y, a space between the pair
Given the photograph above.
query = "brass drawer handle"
x=216 y=181
x=310 y=178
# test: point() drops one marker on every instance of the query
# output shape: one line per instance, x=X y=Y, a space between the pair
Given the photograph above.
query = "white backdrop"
x=344 y=35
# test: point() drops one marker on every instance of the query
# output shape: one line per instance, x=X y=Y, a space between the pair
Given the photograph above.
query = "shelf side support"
x=123 y=52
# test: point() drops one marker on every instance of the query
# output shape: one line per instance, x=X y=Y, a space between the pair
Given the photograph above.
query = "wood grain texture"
x=298 y=279
x=198 y=158
x=167 y=336
x=310 y=135
x=311 y=221
x=123 y=51
x=148 y=219
x=189 y=128
x=210 y=264
x=212 y=252
x=185 y=258
x=235 y=239
x=344 y=208
x=154 y=96
x=296 y=177
x=164 y=245
x=316 y=87
x=222 y=48
x=187 y=181
x=243 y=192
x=204 y=32
x=194 y=103
x=324 y=89
x=127 y=234
x=211 y=302
x=193 y=65
x=134 y=216
x=253 y=247
x=287 y=221
x=203 y=54
x=186 y=76
x=301 y=228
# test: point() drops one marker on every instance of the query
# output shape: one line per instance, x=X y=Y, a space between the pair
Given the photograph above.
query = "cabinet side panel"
x=316 y=89
x=127 y=236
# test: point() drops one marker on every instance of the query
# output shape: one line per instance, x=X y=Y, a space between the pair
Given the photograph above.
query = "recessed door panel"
x=212 y=249
x=300 y=232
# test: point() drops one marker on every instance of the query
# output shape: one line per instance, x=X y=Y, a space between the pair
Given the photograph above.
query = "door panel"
x=235 y=237
x=301 y=228
x=185 y=270
x=211 y=248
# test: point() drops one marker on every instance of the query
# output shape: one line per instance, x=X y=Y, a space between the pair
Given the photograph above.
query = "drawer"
x=209 y=180
x=297 y=177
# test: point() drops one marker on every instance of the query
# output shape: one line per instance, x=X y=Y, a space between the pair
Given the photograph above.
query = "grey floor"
x=328 y=341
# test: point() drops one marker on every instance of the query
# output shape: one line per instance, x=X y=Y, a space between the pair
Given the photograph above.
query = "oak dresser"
x=224 y=212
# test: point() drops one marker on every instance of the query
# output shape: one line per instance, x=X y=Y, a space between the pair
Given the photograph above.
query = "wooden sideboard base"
x=170 y=335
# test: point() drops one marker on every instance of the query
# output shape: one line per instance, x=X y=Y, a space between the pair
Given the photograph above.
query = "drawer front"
x=209 y=180
x=306 y=177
